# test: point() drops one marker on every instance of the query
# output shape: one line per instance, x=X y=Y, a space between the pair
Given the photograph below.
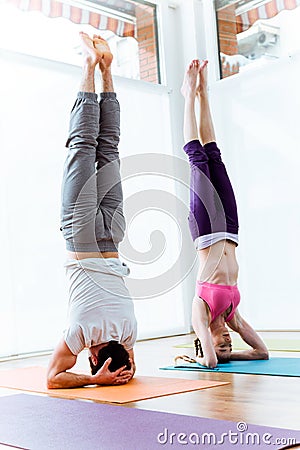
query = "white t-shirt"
x=100 y=306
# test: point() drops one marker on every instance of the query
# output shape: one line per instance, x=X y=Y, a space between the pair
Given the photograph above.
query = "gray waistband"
x=105 y=245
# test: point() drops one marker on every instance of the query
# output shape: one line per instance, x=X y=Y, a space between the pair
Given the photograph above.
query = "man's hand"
x=62 y=360
x=105 y=377
x=128 y=374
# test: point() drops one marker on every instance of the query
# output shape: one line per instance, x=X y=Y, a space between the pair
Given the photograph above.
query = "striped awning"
x=265 y=11
x=78 y=15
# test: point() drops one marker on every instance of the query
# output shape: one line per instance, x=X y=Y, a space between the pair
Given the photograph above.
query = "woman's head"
x=115 y=351
x=222 y=344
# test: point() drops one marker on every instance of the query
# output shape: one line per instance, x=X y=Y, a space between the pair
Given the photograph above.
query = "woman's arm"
x=258 y=351
x=200 y=325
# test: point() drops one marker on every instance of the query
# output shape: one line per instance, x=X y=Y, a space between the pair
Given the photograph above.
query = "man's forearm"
x=69 y=380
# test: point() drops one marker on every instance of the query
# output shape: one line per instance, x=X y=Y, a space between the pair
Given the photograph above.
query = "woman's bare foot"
x=189 y=86
x=102 y=47
x=202 y=85
x=91 y=55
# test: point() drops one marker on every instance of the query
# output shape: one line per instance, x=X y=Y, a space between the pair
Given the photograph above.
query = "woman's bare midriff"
x=85 y=255
x=218 y=264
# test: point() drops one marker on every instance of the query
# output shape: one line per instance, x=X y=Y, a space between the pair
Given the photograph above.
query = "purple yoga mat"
x=42 y=423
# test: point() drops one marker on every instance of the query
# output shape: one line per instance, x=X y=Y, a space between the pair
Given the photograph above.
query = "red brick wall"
x=227 y=38
x=147 y=43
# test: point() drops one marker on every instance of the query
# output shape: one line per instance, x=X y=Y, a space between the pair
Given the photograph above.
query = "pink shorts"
x=219 y=298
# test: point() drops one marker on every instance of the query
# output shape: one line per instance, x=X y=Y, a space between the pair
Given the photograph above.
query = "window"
x=49 y=29
x=255 y=32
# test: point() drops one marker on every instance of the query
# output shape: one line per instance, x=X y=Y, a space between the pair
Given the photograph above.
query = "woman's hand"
x=211 y=364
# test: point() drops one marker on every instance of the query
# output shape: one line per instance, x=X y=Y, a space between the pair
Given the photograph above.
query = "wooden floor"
x=254 y=399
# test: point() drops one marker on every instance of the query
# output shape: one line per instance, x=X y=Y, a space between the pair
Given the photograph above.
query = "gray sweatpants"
x=92 y=199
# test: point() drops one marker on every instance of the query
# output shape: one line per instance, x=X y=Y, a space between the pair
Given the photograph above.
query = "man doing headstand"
x=101 y=312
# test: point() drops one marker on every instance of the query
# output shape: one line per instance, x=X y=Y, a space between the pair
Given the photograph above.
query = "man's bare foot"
x=202 y=85
x=102 y=47
x=91 y=55
x=189 y=86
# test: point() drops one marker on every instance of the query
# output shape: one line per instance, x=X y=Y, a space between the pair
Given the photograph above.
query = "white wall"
x=33 y=301
x=153 y=247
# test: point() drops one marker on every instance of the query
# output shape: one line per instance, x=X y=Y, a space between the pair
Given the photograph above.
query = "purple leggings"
x=212 y=202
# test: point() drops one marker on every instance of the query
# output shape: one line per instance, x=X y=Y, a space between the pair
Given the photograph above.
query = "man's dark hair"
x=114 y=350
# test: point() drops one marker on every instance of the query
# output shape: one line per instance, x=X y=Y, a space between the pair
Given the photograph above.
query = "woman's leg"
x=218 y=173
x=109 y=188
x=189 y=90
x=204 y=217
x=79 y=190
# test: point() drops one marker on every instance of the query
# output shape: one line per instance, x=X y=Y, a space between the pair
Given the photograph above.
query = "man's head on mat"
x=115 y=351
x=222 y=344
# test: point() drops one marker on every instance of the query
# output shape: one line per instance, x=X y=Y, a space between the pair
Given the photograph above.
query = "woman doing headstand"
x=214 y=226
